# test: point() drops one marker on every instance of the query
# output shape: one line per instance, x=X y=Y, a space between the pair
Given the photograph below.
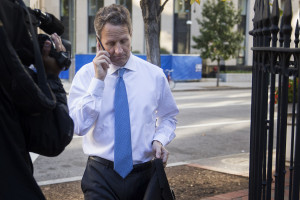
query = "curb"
x=217 y=170
x=212 y=89
x=240 y=194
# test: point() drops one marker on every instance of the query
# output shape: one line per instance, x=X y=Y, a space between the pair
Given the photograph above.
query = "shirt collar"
x=129 y=65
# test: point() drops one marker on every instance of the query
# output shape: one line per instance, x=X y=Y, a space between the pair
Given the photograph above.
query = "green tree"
x=219 y=38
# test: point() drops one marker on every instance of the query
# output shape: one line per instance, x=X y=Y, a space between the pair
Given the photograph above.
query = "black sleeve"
x=50 y=132
x=44 y=121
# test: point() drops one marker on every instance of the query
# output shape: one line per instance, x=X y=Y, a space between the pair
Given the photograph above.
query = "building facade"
x=178 y=24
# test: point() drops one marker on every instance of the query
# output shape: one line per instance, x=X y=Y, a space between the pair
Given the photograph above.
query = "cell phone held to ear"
x=100 y=43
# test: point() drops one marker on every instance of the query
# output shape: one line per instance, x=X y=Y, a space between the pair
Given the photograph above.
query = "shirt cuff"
x=164 y=140
x=96 y=87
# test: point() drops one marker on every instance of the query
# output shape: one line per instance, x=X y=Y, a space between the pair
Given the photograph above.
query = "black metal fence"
x=274 y=84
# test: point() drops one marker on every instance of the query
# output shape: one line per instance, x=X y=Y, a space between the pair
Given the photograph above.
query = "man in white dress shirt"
x=91 y=102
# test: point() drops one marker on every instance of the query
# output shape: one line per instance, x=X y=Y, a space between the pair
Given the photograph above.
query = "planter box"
x=236 y=77
x=289 y=132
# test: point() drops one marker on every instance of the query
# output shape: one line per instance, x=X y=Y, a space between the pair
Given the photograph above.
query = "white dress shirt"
x=151 y=106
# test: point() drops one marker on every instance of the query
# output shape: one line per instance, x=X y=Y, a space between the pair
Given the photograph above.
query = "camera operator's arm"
x=56 y=122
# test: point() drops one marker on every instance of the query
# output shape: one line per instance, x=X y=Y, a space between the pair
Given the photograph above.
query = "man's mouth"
x=118 y=57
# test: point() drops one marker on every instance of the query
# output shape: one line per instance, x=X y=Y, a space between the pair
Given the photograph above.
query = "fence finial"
x=266 y=23
x=281 y=33
x=274 y=21
x=286 y=20
x=260 y=23
x=255 y=24
x=297 y=34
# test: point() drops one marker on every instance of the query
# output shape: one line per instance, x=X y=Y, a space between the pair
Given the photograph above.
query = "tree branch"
x=161 y=8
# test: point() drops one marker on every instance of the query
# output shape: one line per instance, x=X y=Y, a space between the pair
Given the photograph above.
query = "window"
x=93 y=7
x=182 y=15
x=127 y=4
x=242 y=5
x=67 y=17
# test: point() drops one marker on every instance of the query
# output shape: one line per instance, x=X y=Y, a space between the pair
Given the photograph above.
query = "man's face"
x=117 y=42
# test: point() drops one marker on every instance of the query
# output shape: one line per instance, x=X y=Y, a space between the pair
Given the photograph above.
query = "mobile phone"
x=100 y=43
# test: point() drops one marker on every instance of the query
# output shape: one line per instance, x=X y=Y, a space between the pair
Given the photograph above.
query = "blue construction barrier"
x=64 y=74
x=185 y=67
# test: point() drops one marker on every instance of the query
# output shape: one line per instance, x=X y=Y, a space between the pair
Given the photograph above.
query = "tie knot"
x=121 y=72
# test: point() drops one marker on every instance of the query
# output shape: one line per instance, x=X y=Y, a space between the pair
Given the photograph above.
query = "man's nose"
x=118 y=48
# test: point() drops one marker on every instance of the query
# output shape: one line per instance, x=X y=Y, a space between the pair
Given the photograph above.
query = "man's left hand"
x=159 y=151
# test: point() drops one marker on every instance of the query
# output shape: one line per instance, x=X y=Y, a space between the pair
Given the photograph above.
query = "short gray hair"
x=113 y=14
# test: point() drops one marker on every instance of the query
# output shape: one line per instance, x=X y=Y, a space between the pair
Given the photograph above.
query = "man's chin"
x=119 y=63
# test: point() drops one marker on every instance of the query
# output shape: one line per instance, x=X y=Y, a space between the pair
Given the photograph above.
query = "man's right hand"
x=101 y=64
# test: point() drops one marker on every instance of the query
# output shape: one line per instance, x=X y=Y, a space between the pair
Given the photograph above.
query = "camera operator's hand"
x=50 y=63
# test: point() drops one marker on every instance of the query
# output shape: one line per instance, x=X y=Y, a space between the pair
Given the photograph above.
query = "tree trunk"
x=151 y=10
x=218 y=73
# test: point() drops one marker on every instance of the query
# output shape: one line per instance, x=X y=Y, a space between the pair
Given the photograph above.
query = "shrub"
x=290 y=91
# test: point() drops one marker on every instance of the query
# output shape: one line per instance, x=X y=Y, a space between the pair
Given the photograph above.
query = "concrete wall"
x=167 y=23
x=81 y=27
x=196 y=10
x=236 y=77
x=138 y=38
x=52 y=7
x=108 y=2
x=249 y=27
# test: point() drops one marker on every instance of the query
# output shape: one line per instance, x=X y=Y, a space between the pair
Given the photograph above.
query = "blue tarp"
x=64 y=74
x=185 y=67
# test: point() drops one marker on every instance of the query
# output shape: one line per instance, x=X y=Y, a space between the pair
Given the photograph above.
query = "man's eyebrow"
x=114 y=41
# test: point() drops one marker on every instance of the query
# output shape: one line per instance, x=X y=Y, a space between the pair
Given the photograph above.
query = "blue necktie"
x=122 y=151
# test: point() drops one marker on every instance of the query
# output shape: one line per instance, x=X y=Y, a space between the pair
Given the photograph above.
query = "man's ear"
x=98 y=45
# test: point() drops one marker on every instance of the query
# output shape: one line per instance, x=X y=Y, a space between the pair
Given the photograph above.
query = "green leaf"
x=193 y=1
x=218 y=37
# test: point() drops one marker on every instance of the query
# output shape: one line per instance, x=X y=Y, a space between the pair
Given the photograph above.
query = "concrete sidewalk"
x=237 y=164
x=210 y=84
x=205 y=84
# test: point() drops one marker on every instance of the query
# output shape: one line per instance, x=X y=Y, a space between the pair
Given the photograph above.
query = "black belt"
x=110 y=164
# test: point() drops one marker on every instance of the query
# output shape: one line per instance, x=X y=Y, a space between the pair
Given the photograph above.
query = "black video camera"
x=50 y=24
x=62 y=58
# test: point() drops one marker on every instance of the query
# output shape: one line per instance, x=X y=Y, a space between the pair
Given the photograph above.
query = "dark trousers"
x=100 y=181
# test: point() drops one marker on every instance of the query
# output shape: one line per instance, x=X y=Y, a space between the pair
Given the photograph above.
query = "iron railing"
x=275 y=66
